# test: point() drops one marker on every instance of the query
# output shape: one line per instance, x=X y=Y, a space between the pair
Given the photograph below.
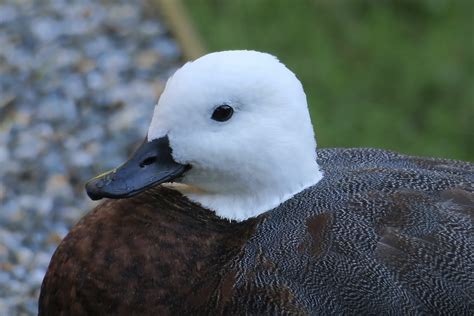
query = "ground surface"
x=77 y=88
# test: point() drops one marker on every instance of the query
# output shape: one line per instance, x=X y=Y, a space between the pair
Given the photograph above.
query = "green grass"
x=390 y=74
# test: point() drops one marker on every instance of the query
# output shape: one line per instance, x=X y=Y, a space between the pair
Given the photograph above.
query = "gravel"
x=78 y=82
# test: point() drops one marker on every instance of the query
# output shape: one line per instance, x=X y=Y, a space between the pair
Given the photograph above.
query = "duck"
x=228 y=208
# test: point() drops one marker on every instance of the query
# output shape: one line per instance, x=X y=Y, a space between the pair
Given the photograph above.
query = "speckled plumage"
x=382 y=233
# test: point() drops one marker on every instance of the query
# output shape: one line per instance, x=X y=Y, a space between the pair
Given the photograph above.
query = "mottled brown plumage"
x=382 y=233
x=129 y=257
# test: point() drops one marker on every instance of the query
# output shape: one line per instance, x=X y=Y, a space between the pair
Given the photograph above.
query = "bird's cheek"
x=183 y=149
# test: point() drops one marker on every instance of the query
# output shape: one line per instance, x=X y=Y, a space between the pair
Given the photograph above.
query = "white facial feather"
x=263 y=155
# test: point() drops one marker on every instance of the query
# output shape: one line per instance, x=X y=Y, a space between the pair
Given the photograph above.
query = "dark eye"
x=222 y=113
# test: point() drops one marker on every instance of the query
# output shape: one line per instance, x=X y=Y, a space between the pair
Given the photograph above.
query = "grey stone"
x=8 y=13
x=28 y=146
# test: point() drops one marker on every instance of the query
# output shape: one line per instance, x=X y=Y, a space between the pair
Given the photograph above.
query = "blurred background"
x=390 y=74
x=79 y=79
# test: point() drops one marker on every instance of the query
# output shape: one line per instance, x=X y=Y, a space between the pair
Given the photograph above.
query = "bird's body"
x=381 y=233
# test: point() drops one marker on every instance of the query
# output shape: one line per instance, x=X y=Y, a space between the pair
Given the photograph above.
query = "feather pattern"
x=381 y=233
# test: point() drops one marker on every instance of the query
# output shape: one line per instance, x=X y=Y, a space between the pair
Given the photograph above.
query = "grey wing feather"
x=381 y=233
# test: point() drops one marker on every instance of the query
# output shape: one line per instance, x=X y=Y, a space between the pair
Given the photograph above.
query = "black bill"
x=151 y=164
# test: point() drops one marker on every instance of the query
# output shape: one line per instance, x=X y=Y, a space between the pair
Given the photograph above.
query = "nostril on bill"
x=147 y=161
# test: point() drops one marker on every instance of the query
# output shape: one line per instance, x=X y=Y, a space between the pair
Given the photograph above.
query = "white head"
x=258 y=158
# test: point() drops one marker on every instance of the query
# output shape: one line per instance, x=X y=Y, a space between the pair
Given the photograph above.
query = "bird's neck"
x=240 y=197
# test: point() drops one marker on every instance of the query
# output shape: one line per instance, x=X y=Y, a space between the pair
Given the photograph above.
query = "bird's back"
x=381 y=233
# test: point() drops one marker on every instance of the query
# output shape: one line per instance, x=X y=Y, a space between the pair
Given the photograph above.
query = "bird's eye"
x=222 y=113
